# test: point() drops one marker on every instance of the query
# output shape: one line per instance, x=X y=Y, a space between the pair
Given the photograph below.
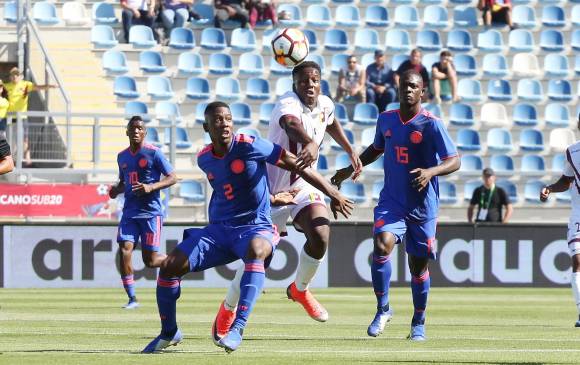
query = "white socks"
x=307 y=267
x=576 y=288
x=233 y=295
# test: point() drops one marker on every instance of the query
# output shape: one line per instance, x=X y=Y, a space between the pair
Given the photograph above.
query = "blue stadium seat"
x=152 y=137
x=338 y=61
x=557 y=115
x=490 y=41
x=319 y=59
x=341 y=113
x=243 y=40
x=510 y=188
x=494 y=114
x=468 y=140
x=295 y=15
x=576 y=16
x=469 y=188
x=322 y=166
x=524 y=16
x=159 y=88
x=465 y=65
x=461 y=2
x=141 y=36
x=560 y=90
x=181 y=38
x=368 y=58
x=471 y=164
x=11 y=12
x=465 y=17
x=470 y=90
x=199 y=116
x=530 y=90
x=532 y=190
x=525 y=114
x=325 y=88
x=531 y=140
x=241 y=114
x=267 y=40
x=347 y=16
x=521 y=40
x=365 y=114
x=341 y=160
x=102 y=36
x=377 y=166
x=366 y=40
x=495 y=65
x=266 y=112
x=377 y=16
x=220 y=64
x=406 y=16
x=349 y=136
x=181 y=138
x=134 y=107
x=312 y=39
x=429 y=40
x=461 y=114
x=354 y=191
x=367 y=136
x=556 y=65
x=558 y=162
x=429 y=59
x=104 y=13
x=251 y=64
x=564 y=197
x=459 y=40
x=397 y=60
x=553 y=16
x=447 y=192
x=283 y=85
x=190 y=64
x=336 y=40
x=533 y=165
x=398 y=40
x=499 y=90
x=434 y=109
x=197 y=88
x=125 y=87
x=435 y=16
x=191 y=191
x=213 y=39
x=377 y=187
x=393 y=106
x=499 y=140
x=250 y=132
x=552 y=40
x=228 y=88
x=44 y=13
x=206 y=15
x=115 y=62
x=257 y=89
x=166 y=111
x=151 y=61
x=575 y=41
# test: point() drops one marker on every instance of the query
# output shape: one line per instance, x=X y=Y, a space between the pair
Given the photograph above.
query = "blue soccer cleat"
x=232 y=340
x=417 y=333
x=160 y=342
x=379 y=322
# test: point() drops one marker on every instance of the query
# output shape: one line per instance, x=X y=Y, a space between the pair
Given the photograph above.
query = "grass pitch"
x=464 y=326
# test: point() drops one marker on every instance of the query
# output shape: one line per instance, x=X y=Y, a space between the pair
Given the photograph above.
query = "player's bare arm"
x=563 y=184
x=140 y=188
x=283 y=198
x=337 y=133
x=368 y=156
x=338 y=203
x=295 y=131
x=117 y=189
x=423 y=176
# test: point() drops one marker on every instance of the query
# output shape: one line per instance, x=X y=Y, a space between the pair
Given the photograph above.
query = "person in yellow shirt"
x=18 y=91
x=3 y=109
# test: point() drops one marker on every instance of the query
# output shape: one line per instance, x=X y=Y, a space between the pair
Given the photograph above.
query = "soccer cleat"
x=132 y=304
x=314 y=309
x=577 y=324
x=232 y=340
x=222 y=323
x=160 y=342
x=417 y=333
x=379 y=322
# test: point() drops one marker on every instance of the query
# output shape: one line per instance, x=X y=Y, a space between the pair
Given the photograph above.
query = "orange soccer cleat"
x=314 y=309
x=222 y=323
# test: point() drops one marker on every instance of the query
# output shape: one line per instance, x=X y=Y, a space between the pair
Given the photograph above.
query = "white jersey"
x=572 y=169
x=314 y=123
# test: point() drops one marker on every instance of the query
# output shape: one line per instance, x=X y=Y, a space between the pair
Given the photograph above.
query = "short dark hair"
x=306 y=64
x=209 y=109
x=410 y=73
x=445 y=54
x=416 y=50
x=134 y=119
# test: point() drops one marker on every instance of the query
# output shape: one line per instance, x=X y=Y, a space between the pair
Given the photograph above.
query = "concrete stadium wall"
x=69 y=255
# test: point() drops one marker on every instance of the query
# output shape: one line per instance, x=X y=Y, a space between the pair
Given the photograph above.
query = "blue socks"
x=420 y=288
x=250 y=289
x=129 y=285
x=168 y=291
x=381 y=275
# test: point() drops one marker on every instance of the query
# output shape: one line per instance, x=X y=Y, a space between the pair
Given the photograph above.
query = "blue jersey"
x=421 y=142
x=144 y=166
x=239 y=180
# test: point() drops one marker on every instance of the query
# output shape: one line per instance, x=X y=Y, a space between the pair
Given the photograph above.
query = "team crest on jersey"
x=388 y=133
x=416 y=137
x=143 y=163
x=238 y=166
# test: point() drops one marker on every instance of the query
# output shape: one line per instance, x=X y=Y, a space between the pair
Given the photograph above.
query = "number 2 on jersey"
x=229 y=191
x=402 y=154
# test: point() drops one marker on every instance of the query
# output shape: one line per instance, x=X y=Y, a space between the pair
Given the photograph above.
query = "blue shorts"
x=219 y=244
x=144 y=230
x=420 y=236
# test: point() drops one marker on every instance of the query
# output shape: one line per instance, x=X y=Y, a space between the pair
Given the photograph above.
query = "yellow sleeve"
x=30 y=86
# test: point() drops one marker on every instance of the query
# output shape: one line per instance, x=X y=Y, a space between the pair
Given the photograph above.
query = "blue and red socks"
x=168 y=291
x=129 y=285
x=381 y=275
x=420 y=288
x=250 y=289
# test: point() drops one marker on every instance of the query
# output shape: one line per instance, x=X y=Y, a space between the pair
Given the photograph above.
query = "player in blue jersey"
x=140 y=169
x=240 y=225
x=417 y=149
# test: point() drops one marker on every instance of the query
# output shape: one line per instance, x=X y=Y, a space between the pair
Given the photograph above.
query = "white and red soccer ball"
x=290 y=47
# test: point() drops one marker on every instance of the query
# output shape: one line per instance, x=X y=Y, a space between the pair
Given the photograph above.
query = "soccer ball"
x=290 y=47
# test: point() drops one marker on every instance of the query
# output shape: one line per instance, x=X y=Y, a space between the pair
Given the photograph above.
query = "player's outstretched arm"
x=295 y=131
x=368 y=156
x=338 y=203
x=423 y=176
x=563 y=184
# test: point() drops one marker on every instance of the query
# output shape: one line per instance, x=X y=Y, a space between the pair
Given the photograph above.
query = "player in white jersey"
x=570 y=179
x=298 y=123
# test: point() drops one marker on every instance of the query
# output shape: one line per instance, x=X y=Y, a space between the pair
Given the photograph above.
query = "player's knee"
x=169 y=267
x=384 y=244
x=259 y=250
x=319 y=236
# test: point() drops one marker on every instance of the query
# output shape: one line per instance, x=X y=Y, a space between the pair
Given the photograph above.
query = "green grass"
x=464 y=326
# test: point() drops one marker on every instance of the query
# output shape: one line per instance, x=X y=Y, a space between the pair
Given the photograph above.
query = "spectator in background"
x=135 y=12
x=414 y=63
x=379 y=82
x=18 y=91
x=262 y=10
x=444 y=79
x=496 y=12
x=231 y=9
x=4 y=104
x=351 y=82
x=174 y=14
x=6 y=161
x=490 y=200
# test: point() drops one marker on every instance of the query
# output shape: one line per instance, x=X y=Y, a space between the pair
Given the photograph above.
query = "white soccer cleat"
x=378 y=324
x=133 y=304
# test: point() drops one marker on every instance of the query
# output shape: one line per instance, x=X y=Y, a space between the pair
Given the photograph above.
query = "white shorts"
x=574 y=236
x=307 y=195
